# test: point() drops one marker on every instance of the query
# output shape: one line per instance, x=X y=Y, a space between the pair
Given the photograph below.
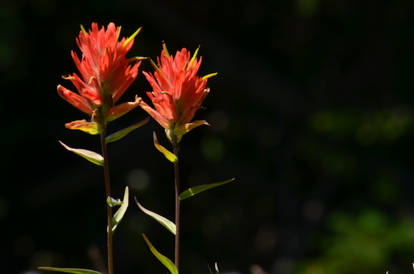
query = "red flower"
x=178 y=92
x=105 y=74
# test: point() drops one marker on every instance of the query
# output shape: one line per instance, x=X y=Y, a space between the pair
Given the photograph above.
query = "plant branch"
x=177 y=205
x=108 y=194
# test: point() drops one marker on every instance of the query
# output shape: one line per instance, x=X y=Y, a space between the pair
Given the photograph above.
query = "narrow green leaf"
x=83 y=29
x=124 y=132
x=139 y=58
x=119 y=33
x=193 y=58
x=91 y=156
x=119 y=214
x=155 y=66
x=164 y=46
x=132 y=36
x=162 y=220
x=209 y=75
x=164 y=260
x=169 y=155
x=197 y=189
x=69 y=270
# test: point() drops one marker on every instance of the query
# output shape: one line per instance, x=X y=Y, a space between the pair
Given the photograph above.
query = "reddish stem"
x=177 y=205
x=108 y=194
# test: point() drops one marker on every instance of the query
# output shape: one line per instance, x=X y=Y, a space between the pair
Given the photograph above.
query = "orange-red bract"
x=178 y=92
x=105 y=74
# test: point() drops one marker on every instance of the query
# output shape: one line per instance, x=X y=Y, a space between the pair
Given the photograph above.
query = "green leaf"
x=119 y=214
x=164 y=46
x=132 y=36
x=169 y=155
x=91 y=156
x=88 y=127
x=164 y=260
x=163 y=221
x=209 y=75
x=193 y=58
x=197 y=189
x=83 y=29
x=69 y=270
x=123 y=132
x=180 y=131
x=112 y=202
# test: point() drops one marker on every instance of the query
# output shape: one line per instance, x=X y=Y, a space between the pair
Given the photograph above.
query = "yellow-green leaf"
x=83 y=29
x=123 y=132
x=180 y=131
x=112 y=202
x=193 y=58
x=209 y=75
x=198 y=189
x=162 y=220
x=119 y=214
x=69 y=270
x=88 y=127
x=164 y=260
x=164 y=46
x=169 y=155
x=132 y=36
x=91 y=156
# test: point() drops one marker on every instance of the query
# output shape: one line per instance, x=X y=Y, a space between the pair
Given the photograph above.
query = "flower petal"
x=119 y=110
x=131 y=73
x=155 y=114
x=74 y=99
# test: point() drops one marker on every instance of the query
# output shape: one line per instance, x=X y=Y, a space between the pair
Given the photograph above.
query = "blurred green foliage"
x=364 y=243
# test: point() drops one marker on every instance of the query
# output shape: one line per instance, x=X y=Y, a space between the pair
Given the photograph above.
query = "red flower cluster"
x=105 y=73
x=178 y=92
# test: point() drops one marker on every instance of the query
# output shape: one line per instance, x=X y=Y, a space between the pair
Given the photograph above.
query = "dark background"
x=312 y=112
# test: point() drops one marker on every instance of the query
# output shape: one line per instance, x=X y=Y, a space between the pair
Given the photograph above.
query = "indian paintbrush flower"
x=105 y=74
x=178 y=92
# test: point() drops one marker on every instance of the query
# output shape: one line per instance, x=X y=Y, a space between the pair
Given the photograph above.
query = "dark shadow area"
x=311 y=111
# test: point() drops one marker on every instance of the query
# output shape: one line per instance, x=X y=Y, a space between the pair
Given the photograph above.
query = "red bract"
x=105 y=73
x=178 y=92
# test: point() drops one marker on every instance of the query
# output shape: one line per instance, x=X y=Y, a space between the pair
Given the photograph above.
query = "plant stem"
x=108 y=194
x=177 y=206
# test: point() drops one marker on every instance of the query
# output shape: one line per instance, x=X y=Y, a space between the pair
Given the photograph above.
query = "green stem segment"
x=177 y=205
x=108 y=194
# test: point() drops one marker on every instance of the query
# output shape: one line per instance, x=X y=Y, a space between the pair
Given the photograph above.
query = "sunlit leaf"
x=162 y=220
x=180 y=131
x=83 y=29
x=132 y=36
x=119 y=214
x=91 y=156
x=209 y=75
x=193 y=58
x=123 y=132
x=198 y=189
x=164 y=260
x=112 y=202
x=88 y=127
x=69 y=270
x=164 y=46
x=169 y=155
